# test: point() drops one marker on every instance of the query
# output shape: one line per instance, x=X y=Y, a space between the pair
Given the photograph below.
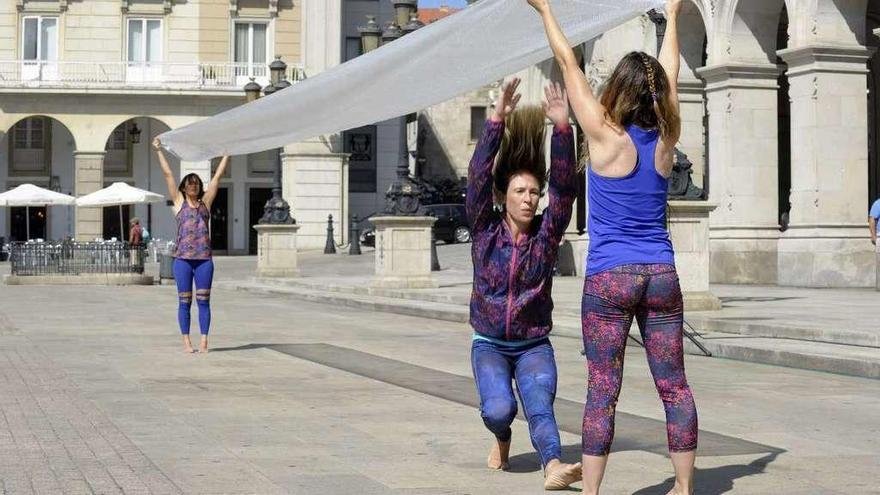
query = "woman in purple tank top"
x=631 y=130
x=192 y=255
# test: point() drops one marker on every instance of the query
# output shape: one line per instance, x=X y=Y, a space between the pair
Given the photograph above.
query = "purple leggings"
x=611 y=299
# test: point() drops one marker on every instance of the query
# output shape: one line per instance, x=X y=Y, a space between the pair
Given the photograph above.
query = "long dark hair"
x=191 y=178
x=637 y=92
x=522 y=149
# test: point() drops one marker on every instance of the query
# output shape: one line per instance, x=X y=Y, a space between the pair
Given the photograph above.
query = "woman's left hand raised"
x=556 y=104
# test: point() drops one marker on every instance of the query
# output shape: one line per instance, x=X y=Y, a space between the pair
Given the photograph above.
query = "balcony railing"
x=136 y=75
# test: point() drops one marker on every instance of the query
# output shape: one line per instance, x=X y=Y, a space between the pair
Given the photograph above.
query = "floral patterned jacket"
x=513 y=280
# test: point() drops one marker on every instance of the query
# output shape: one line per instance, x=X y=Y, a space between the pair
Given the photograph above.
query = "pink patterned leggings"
x=611 y=299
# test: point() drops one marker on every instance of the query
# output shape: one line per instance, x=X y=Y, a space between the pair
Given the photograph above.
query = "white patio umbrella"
x=119 y=194
x=28 y=195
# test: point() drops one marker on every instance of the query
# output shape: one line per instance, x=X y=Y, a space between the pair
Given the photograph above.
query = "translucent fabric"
x=483 y=43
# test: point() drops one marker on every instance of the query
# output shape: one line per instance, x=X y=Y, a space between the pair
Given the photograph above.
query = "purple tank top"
x=628 y=214
x=193 y=234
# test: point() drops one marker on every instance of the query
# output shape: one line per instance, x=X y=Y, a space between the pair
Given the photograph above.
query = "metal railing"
x=75 y=258
x=131 y=75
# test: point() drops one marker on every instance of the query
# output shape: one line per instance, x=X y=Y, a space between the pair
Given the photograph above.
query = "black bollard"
x=330 y=246
x=435 y=262
x=355 y=233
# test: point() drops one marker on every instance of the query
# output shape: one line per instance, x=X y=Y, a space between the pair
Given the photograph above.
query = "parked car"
x=452 y=222
x=452 y=225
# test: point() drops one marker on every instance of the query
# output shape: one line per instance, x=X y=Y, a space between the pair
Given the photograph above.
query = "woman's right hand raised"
x=507 y=101
x=673 y=8
x=539 y=5
x=156 y=144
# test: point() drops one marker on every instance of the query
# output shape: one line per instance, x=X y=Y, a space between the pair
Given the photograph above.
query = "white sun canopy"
x=483 y=43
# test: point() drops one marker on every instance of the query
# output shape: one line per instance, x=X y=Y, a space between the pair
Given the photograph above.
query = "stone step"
x=797 y=331
x=701 y=321
x=819 y=356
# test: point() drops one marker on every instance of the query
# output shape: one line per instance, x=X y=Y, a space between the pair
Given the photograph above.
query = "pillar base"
x=689 y=232
x=276 y=250
x=403 y=252
x=827 y=256
x=743 y=255
x=700 y=301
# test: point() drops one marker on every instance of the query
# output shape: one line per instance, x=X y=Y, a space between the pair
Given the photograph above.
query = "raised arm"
x=214 y=185
x=872 y=225
x=563 y=179
x=170 y=182
x=670 y=52
x=478 y=202
x=587 y=109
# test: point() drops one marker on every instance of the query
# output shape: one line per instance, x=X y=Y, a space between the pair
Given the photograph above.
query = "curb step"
x=845 y=359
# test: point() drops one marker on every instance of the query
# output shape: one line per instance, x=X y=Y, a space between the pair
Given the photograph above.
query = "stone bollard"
x=435 y=262
x=355 y=234
x=330 y=245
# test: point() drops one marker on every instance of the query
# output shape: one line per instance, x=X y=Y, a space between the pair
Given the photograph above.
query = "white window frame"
x=39 y=19
x=261 y=78
x=143 y=21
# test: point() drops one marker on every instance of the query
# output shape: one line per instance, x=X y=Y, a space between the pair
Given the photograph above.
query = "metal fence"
x=75 y=258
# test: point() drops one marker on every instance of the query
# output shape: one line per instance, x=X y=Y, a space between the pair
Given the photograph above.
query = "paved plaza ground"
x=298 y=397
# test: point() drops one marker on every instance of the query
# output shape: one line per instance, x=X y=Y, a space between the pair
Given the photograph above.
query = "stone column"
x=689 y=231
x=315 y=172
x=89 y=177
x=403 y=252
x=691 y=93
x=321 y=35
x=314 y=182
x=743 y=171
x=827 y=244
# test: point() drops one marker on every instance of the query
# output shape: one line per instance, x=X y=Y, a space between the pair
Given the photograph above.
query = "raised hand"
x=673 y=8
x=156 y=144
x=507 y=101
x=556 y=104
x=539 y=5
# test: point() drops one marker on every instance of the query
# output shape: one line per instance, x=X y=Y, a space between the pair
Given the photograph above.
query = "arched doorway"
x=37 y=150
x=130 y=158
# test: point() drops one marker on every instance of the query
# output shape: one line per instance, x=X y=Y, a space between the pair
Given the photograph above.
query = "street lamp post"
x=403 y=196
x=277 y=210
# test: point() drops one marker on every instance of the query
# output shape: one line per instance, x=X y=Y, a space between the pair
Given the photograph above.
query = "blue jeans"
x=533 y=367
x=202 y=271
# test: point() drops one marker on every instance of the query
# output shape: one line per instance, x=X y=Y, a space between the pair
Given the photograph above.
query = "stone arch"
x=828 y=22
x=135 y=163
x=36 y=149
x=748 y=30
x=694 y=36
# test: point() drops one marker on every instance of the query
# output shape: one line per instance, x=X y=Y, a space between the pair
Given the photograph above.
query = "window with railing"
x=39 y=39
x=39 y=48
x=144 y=54
x=250 y=50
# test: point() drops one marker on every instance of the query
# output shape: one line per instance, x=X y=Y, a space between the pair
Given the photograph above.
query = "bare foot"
x=203 y=345
x=498 y=456
x=187 y=345
x=558 y=476
x=676 y=490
